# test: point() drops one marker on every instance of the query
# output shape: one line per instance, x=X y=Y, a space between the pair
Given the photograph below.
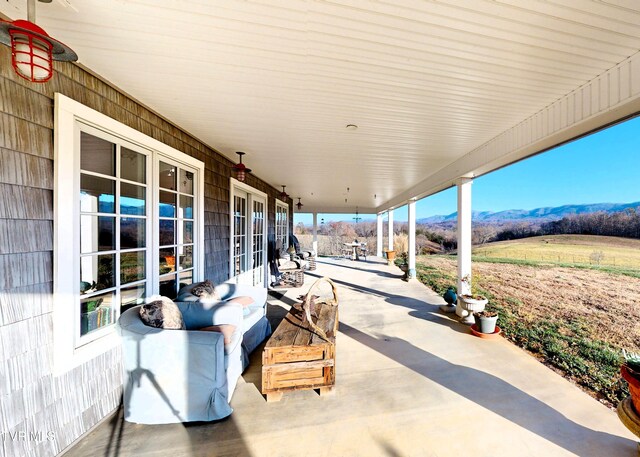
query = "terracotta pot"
x=634 y=386
x=391 y=255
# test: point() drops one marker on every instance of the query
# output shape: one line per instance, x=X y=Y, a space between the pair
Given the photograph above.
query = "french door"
x=248 y=235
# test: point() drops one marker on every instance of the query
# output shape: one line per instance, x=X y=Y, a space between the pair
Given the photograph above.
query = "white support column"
x=390 y=241
x=315 y=233
x=411 y=210
x=464 y=241
x=379 y=235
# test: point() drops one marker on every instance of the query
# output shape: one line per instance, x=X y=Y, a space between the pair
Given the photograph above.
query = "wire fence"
x=595 y=258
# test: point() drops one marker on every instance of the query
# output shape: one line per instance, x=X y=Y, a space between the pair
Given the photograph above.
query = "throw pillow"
x=162 y=313
x=203 y=288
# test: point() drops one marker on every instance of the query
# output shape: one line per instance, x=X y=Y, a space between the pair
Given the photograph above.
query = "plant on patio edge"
x=567 y=346
x=630 y=371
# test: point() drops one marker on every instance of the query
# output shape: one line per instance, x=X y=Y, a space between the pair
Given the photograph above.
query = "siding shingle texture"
x=32 y=400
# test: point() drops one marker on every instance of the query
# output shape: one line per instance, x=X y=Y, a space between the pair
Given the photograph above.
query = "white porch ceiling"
x=427 y=82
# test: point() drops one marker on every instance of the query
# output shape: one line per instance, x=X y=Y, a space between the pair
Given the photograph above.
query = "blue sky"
x=600 y=168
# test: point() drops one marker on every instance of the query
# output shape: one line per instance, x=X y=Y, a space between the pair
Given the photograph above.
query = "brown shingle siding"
x=30 y=396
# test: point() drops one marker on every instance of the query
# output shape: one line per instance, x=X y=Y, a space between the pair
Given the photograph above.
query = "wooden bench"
x=298 y=356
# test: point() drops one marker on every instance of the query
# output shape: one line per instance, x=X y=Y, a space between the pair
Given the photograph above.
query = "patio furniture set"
x=182 y=359
x=287 y=268
x=354 y=250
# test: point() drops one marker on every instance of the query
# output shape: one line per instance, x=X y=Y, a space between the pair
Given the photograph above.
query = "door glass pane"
x=132 y=165
x=96 y=272
x=97 y=155
x=132 y=199
x=186 y=182
x=167 y=260
x=167 y=204
x=97 y=195
x=131 y=296
x=167 y=232
x=167 y=176
x=132 y=232
x=97 y=233
x=168 y=286
x=186 y=278
x=187 y=232
x=186 y=207
x=96 y=312
x=186 y=257
x=132 y=266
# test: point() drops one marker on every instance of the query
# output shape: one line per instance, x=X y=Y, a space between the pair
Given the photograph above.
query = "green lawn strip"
x=567 y=346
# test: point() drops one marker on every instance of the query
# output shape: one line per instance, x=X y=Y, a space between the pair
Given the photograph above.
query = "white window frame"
x=68 y=114
x=284 y=206
x=233 y=185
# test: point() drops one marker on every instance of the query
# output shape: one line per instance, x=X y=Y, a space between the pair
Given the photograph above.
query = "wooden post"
x=379 y=235
x=464 y=241
x=390 y=228
x=411 y=210
x=315 y=233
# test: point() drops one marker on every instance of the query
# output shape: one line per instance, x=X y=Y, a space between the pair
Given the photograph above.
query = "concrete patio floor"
x=410 y=381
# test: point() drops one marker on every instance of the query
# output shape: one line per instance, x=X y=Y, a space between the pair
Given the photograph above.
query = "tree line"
x=442 y=237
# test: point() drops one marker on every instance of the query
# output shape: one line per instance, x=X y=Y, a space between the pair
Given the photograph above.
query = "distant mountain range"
x=537 y=215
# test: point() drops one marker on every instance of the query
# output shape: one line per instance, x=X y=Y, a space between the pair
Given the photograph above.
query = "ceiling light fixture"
x=299 y=205
x=357 y=218
x=32 y=49
x=240 y=169
x=351 y=127
x=283 y=194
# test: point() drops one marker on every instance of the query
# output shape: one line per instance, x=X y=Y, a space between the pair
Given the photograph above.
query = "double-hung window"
x=128 y=224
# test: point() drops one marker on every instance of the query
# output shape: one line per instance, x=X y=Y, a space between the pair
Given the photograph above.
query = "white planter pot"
x=471 y=305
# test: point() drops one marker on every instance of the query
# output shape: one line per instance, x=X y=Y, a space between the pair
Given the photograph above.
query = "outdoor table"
x=354 y=246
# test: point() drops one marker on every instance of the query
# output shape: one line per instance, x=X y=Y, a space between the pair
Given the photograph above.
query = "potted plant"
x=470 y=303
x=486 y=321
x=391 y=255
x=630 y=371
x=403 y=263
x=451 y=298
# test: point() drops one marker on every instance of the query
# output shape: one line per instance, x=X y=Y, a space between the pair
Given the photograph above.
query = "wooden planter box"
x=295 y=358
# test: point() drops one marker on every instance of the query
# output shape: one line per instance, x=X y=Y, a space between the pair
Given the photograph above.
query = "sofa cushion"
x=199 y=315
x=162 y=313
x=251 y=317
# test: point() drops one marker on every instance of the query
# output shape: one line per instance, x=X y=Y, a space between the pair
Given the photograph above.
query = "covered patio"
x=119 y=181
x=410 y=381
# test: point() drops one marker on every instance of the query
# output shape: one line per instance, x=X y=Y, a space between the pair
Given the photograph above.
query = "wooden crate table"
x=297 y=356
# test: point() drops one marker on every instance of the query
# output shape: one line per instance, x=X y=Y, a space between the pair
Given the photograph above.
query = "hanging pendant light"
x=283 y=194
x=357 y=218
x=240 y=169
x=299 y=205
x=32 y=49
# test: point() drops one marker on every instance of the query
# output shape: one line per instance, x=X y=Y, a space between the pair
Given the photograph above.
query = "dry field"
x=608 y=304
x=575 y=320
x=574 y=249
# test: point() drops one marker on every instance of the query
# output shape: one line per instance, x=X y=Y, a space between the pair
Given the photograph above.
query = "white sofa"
x=190 y=375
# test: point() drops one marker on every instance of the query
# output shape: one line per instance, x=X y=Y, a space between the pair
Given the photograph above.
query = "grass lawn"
x=575 y=320
x=568 y=249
